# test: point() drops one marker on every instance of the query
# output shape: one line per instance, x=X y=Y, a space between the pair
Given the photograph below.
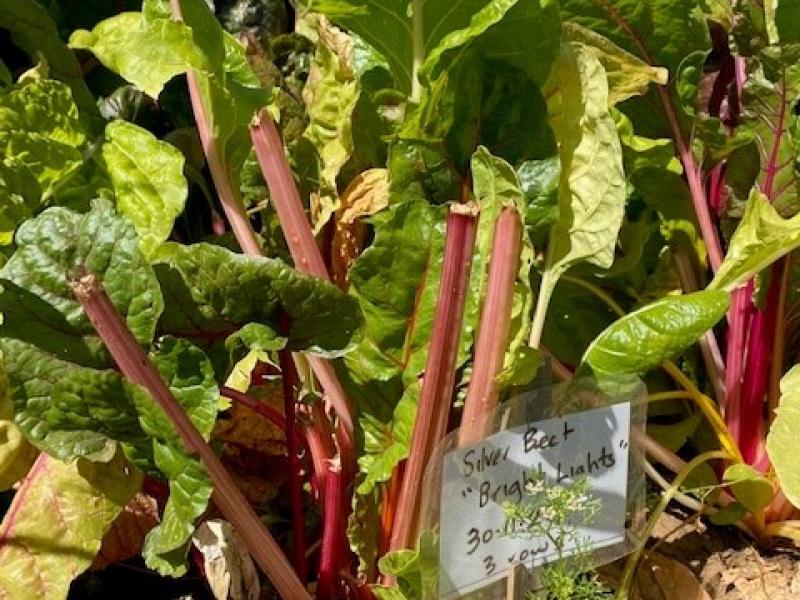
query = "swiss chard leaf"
x=645 y=338
x=57 y=245
x=147 y=177
x=782 y=437
x=211 y=292
x=761 y=238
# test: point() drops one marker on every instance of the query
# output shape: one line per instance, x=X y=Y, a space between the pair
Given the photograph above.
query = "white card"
x=478 y=479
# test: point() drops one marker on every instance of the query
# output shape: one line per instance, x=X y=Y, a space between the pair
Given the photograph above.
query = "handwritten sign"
x=475 y=547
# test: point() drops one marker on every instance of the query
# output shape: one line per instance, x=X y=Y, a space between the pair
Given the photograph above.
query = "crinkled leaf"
x=330 y=95
x=782 y=437
x=761 y=238
x=48 y=543
x=592 y=183
x=212 y=291
x=147 y=177
x=20 y=196
x=146 y=52
x=57 y=245
x=645 y=338
x=16 y=454
x=40 y=128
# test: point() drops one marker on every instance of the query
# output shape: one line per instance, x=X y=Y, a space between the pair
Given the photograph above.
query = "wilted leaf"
x=126 y=535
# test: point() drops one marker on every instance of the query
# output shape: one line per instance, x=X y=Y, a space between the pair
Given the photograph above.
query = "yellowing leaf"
x=330 y=95
x=55 y=524
x=628 y=75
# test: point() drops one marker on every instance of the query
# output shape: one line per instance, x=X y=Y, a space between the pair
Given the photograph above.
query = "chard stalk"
x=289 y=383
x=330 y=558
x=229 y=196
x=439 y=378
x=302 y=246
x=495 y=326
x=134 y=363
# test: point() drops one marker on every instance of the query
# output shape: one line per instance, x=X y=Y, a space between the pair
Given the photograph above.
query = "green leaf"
x=33 y=30
x=40 y=128
x=675 y=435
x=592 y=183
x=441 y=26
x=752 y=489
x=628 y=75
x=146 y=52
x=49 y=543
x=20 y=196
x=728 y=515
x=761 y=238
x=643 y=339
x=57 y=245
x=330 y=95
x=782 y=437
x=211 y=291
x=147 y=177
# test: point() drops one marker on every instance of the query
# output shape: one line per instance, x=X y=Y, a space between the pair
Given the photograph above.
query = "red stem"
x=136 y=366
x=495 y=326
x=439 y=378
x=330 y=557
x=289 y=382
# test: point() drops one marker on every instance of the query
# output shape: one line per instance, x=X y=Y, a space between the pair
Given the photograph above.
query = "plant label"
x=478 y=544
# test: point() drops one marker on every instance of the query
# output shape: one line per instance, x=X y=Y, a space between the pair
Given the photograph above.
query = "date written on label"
x=478 y=543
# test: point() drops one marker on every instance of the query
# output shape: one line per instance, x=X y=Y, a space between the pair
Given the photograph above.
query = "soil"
x=693 y=562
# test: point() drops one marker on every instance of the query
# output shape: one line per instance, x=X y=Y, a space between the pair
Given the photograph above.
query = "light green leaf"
x=146 y=52
x=330 y=96
x=628 y=75
x=645 y=338
x=40 y=128
x=750 y=487
x=58 y=244
x=782 y=437
x=20 y=196
x=592 y=183
x=147 y=177
x=761 y=238
x=213 y=291
x=49 y=543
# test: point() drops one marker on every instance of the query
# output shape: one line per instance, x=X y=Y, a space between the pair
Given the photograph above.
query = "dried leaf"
x=229 y=568
x=367 y=194
x=662 y=578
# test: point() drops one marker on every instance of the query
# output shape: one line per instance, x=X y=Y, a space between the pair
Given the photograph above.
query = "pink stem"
x=495 y=326
x=136 y=366
x=439 y=378
x=301 y=242
x=229 y=196
x=739 y=322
